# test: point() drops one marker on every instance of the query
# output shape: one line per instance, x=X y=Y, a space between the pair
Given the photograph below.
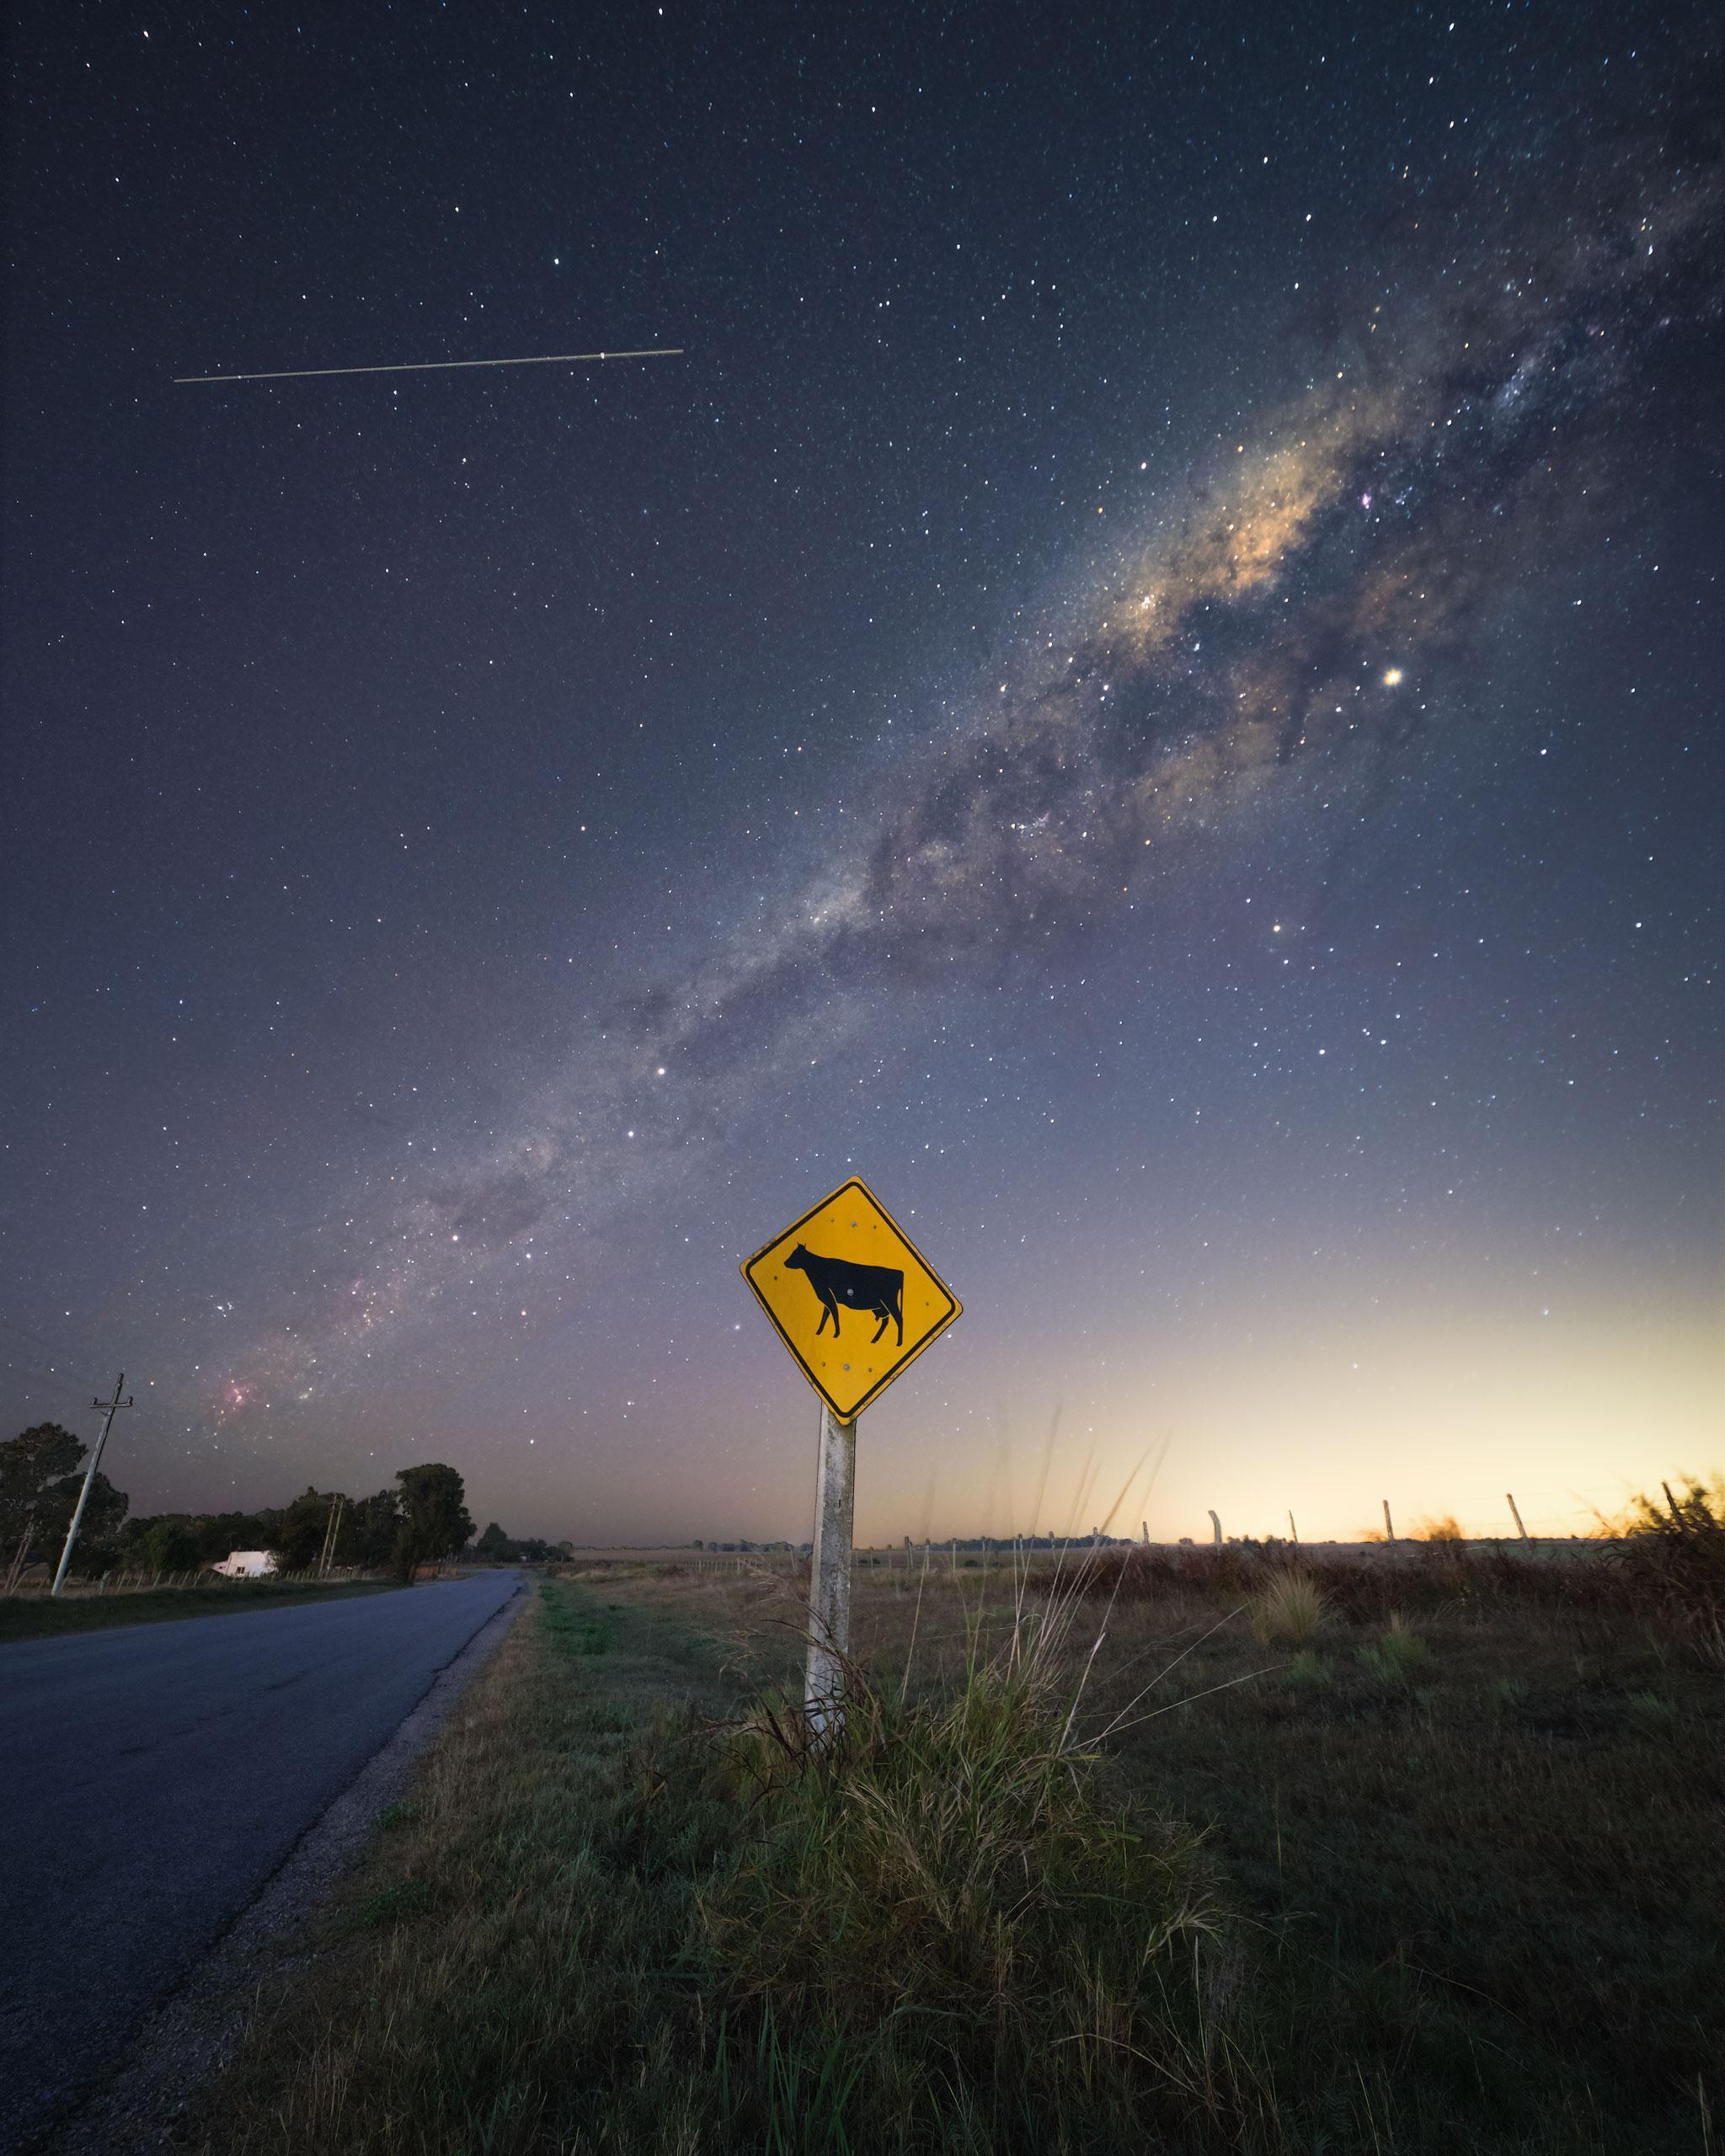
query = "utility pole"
x=326 y=1557
x=16 y=1571
x=110 y=1408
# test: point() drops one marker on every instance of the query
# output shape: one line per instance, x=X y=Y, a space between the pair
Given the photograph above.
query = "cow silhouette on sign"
x=876 y=1288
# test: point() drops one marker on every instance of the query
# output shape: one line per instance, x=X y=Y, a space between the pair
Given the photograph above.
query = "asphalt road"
x=153 y=1777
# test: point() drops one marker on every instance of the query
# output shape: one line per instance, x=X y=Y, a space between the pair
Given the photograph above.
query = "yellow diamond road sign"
x=851 y=1297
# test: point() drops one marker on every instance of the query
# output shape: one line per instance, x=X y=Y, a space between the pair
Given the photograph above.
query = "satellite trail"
x=426 y=367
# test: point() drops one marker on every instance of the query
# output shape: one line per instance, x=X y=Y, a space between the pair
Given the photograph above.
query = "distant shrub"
x=1670 y=1562
x=1444 y=1528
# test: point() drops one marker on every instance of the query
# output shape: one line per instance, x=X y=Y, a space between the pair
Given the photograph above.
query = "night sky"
x=1149 y=683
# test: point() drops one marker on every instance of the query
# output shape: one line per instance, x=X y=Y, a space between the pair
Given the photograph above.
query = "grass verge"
x=1479 y=1839
x=41 y=1617
x=605 y=1922
x=507 y=1973
x=1456 y=1895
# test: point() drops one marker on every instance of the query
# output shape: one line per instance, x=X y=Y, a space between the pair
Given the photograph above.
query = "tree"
x=494 y=1545
x=299 y=1539
x=40 y=1475
x=366 y=1534
x=205 y=1538
x=39 y=1484
x=436 y=1522
x=172 y=1545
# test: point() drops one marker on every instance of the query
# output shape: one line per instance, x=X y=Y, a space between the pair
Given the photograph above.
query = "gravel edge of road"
x=181 y=2042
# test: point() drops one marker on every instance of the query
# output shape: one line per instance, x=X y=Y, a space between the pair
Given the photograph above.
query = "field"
x=40 y=1616
x=1422 y=1854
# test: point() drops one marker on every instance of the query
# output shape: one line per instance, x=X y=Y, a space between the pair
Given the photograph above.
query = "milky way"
x=1287 y=618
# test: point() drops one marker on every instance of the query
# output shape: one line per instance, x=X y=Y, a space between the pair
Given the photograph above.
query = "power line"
x=429 y=367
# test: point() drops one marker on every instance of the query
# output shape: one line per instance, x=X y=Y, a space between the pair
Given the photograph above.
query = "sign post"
x=830 y=1577
x=846 y=1255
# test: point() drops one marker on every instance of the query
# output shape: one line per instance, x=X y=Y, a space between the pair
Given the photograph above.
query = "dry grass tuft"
x=1672 y=1559
x=1289 y=1606
x=1002 y=1954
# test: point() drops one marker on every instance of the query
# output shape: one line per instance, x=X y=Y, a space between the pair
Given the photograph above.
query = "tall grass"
x=1671 y=1561
x=1004 y=1954
x=1662 y=1564
x=1289 y=1606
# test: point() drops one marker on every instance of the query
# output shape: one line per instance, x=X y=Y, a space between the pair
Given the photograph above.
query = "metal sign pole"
x=829 y=1578
x=845 y=1265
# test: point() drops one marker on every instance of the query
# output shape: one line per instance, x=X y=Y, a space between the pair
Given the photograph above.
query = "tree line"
x=421 y=1519
x=497 y=1548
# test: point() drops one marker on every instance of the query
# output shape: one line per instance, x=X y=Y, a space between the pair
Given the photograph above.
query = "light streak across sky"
x=435 y=366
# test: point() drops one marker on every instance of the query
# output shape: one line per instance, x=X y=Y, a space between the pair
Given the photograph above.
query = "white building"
x=246 y=1565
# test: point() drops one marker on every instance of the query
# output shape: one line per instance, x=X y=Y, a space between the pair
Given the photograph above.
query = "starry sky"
x=1148 y=681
